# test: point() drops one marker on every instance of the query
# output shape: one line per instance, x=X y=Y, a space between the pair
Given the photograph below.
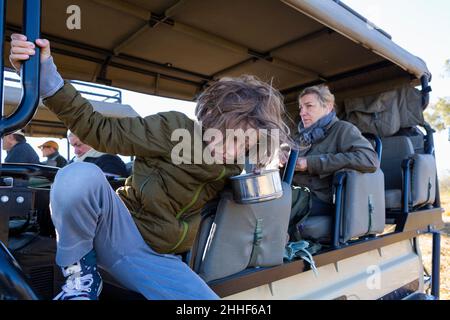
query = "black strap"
x=371 y=211
x=257 y=240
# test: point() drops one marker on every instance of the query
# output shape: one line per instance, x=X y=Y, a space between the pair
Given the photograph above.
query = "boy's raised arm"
x=137 y=136
x=149 y=136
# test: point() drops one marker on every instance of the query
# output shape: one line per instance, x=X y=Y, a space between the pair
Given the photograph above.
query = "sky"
x=421 y=27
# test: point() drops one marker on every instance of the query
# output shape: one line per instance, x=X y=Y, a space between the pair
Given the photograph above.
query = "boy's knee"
x=81 y=172
x=74 y=180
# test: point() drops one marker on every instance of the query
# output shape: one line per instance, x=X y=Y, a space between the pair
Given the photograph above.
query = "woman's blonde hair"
x=233 y=103
x=322 y=92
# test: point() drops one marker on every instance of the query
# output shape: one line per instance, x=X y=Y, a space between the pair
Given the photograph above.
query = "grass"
x=426 y=247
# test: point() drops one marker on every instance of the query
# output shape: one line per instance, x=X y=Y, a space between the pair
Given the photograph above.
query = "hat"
x=49 y=144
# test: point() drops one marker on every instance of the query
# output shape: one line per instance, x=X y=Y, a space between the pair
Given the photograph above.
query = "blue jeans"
x=88 y=214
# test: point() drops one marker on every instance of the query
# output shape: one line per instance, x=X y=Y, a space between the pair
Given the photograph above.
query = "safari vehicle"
x=174 y=49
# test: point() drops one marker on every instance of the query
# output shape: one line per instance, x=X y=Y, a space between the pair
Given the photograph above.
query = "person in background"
x=326 y=145
x=50 y=150
x=109 y=163
x=19 y=151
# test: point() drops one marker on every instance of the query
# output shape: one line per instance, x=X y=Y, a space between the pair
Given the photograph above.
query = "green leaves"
x=447 y=67
x=438 y=114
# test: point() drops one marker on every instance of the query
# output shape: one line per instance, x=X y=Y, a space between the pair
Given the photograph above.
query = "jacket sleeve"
x=354 y=152
x=11 y=156
x=22 y=153
x=61 y=162
x=146 y=137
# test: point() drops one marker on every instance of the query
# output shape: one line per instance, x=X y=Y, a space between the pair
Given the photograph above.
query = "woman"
x=326 y=145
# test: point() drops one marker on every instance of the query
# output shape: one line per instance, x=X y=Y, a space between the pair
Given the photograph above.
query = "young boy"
x=136 y=233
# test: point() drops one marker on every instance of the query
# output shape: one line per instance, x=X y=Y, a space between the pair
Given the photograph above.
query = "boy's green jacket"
x=164 y=199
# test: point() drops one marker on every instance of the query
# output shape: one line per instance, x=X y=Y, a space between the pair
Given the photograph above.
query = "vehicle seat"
x=400 y=163
x=360 y=209
x=417 y=143
x=395 y=150
x=416 y=136
x=241 y=236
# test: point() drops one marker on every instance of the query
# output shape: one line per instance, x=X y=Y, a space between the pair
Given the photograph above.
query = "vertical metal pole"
x=29 y=73
x=426 y=89
x=2 y=35
x=4 y=220
x=337 y=217
x=12 y=280
x=338 y=183
x=290 y=166
x=436 y=264
x=379 y=147
x=406 y=183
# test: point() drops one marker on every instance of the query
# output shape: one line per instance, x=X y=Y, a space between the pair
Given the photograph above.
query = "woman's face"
x=311 y=110
x=79 y=147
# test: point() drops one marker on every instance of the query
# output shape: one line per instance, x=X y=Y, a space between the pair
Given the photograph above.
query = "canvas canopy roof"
x=174 y=48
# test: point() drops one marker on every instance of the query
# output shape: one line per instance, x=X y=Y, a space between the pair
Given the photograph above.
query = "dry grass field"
x=426 y=246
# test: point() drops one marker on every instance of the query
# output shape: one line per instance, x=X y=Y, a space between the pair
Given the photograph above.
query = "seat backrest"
x=416 y=136
x=242 y=236
x=198 y=248
x=363 y=209
x=364 y=204
x=395 y=150
x=418 y=143
x=423 y=180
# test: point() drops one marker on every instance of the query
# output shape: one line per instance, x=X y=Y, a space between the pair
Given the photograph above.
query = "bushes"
x=444 y=185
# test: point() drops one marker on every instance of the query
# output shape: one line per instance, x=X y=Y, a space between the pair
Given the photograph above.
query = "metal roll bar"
x=30 y=70
x=290 y=167
x=13 y=283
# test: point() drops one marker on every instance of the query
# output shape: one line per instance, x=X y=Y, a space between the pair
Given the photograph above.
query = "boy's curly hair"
x=243 y=102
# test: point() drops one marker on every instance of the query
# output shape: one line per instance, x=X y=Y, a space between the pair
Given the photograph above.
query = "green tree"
x=447 y=67
x=438 y=114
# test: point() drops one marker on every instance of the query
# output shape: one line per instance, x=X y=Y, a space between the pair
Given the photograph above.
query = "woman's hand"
x=301 y=165
x=283 y=157
x=21 y=50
